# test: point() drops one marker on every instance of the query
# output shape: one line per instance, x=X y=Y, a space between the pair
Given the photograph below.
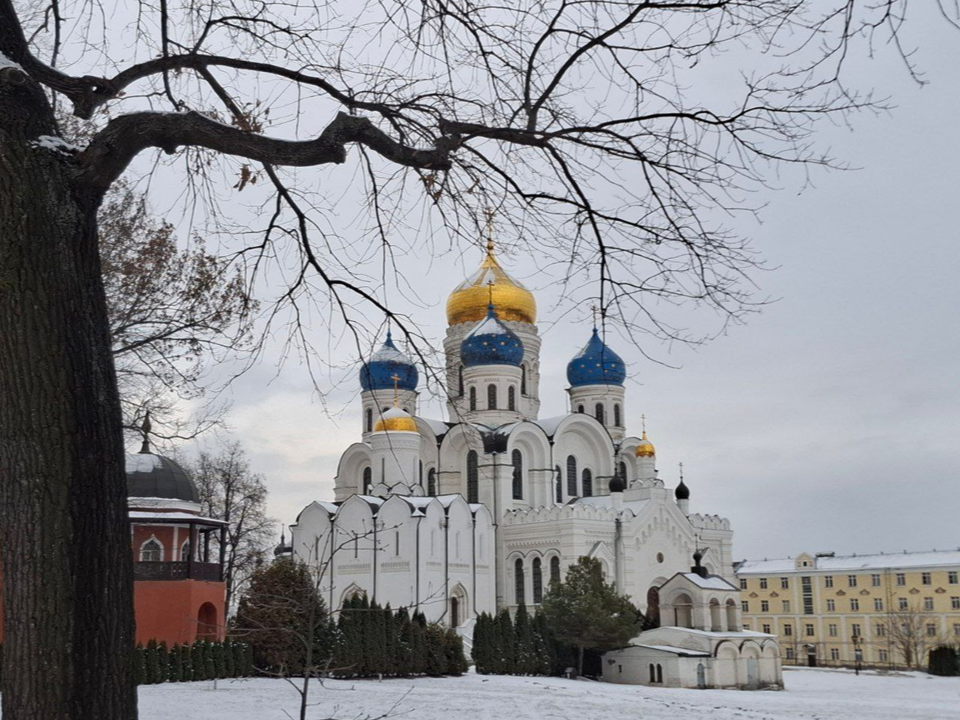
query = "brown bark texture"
x=67 y=585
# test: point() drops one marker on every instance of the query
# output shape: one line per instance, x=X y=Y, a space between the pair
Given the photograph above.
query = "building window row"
x=519 y=578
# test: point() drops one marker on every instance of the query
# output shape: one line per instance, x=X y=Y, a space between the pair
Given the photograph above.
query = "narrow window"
x=517 y=475
x=537 y=582
x=659 y=673
x=473 y=477
x=616 y=415
x=396 y=546
x=185 y=552
x=587 y=482
x=151 y=551
x=623 y=472
x=559 y=484
x=598 y=412
x=367 y=480
x=491 y=397
x=571 y=476
x=369 y=421
x=431 y=482
x=460 y=379
x=523 y=379
x=511 y=398
x=518 y=580
x=653 y=673
x=580 y=409
x=473 y=398
x=554 y=570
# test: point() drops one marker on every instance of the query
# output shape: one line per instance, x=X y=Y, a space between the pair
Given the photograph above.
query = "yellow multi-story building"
x=888 y=609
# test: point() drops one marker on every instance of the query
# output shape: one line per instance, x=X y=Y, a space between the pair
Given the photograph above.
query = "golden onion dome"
x=645 y=447
x=490 y=284
x=395 y=420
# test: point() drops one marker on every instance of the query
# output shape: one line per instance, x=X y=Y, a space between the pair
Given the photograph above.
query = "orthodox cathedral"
x=485 y=509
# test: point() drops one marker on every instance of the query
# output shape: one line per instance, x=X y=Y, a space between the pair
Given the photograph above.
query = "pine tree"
x=197 y=661
x=436 y=661
x=186 y=663
x=525 y=646
x=508 y=645
x=587 y=612
x=163 y=655
x=546 y=652
x=390 y=642
x=152 y=664
x=175 y=671
x=139 y=666
x=209 y=667
x=404 y=649
x=479 y=652
x=456 y=662
x=229 y=669
x=418 y=644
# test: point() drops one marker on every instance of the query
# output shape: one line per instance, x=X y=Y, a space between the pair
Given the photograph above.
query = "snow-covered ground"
x=821 y=694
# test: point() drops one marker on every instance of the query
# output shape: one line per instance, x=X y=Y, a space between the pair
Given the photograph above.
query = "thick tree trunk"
x=64 y=538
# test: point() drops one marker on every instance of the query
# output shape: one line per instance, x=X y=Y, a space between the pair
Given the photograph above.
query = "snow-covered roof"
x=711 y=582
x=675 y=650
x=550 y=424
x=606 y=501
x=744 y=634
x=439 y=427
x=842 y=563
x=172 y=517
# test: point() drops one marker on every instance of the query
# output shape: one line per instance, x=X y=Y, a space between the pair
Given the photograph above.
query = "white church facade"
x=481 y=511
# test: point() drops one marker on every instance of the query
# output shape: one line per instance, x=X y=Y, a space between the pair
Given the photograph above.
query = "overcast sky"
x=831 y=421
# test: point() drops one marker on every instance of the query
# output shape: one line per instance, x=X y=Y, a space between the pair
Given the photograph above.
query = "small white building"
x=705 y=648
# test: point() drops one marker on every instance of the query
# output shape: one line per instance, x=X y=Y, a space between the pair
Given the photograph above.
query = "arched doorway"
x=653 y=608
x=207 y=626
x=701 y=676
x=683 y=609
x=454 y=612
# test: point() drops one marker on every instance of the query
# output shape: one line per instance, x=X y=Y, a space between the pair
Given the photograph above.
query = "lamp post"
x=857 y=652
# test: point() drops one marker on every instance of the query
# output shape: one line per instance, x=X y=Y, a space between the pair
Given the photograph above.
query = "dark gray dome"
x=155 y=476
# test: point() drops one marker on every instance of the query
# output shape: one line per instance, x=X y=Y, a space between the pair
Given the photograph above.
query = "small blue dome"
x=596 y=364
x=378 y=372
x=491 y=343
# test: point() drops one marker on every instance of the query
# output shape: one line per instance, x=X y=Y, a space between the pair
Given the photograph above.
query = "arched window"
x=185 y=551
x=616 y=415
x=511 y=398
x=580 y=409
x=460 y=379
x=537 y=582
x=598 y=413
x=431 y=482
x=151 y=551
x=473 y=477
x=554 y=570
x=473 y=398
x=367 y=480
x=368 y=424
x=587 y=482
x=420 y=476
x=558 y=480
x=523 y=379
x=623 y=472
x=571 y=476
x=518 y=580
x=653 y=673
x=652 y=612
x=517 y=458
x=491 y=397
x=659 y=673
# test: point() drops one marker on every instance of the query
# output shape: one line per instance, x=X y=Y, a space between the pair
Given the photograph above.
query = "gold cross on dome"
x=643 y=423
x=681 y=472
x=594 y=309
x=489 y=213
x=396 y=389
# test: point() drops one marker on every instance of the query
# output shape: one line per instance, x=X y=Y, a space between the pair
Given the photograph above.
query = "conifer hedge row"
x=201 y=660
x=370 y=641
x=945 y=660
x=520 y=646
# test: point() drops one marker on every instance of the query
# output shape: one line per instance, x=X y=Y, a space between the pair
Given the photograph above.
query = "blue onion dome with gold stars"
x=596 y=364
x=377 y=373
x=491 y=343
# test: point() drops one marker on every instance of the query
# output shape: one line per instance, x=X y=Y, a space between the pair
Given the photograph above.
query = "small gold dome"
x=469 y=301
x=395 y=420
x=645 y=447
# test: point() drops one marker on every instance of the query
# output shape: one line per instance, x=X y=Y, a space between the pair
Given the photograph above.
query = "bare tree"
x=907 y=633
x=229 y=491
x=576 y=120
